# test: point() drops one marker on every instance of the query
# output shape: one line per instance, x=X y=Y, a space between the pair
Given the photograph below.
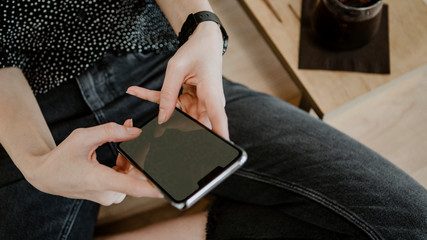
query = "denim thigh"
x=341 y=186
x=315 y=176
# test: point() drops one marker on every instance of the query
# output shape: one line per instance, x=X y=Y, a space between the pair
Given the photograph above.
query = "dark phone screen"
x=180 y=155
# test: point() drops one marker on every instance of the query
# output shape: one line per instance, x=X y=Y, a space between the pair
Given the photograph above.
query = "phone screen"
x=179 y=156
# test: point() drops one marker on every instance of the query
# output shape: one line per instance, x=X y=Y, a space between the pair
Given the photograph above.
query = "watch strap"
x=193 y=20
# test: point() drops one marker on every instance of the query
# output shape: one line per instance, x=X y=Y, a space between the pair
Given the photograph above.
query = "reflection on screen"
x=179 y=154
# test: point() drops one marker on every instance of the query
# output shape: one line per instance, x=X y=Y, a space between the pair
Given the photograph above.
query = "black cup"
x=346 y=24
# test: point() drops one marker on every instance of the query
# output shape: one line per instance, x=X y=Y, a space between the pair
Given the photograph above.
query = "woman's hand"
x=197 y=69
x=72 y=169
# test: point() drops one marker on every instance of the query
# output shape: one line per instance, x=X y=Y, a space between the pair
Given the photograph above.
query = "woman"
x=66 y=69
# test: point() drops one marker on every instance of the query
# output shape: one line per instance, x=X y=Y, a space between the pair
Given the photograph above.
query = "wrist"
x=209 y=28
x=211 y=31
x=31 y=169
x=30 y=159
x=177 y=11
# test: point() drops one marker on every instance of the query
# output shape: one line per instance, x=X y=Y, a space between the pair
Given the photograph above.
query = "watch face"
x=225 y=38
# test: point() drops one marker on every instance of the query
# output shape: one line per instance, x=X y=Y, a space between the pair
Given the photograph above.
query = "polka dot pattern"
x=55 y=41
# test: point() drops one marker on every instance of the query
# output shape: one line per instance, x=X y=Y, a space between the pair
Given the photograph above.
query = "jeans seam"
x=70 y=219
x=98 y=113
x=83 y=87
x=100 y=117
x=342 y=211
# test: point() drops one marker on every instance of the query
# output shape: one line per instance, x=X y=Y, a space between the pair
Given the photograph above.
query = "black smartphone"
x=182 y=158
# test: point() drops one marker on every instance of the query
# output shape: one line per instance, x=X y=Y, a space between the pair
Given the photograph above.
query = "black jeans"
x=303 y=179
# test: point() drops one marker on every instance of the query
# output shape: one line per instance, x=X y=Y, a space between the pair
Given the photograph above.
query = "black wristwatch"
x=193 y=20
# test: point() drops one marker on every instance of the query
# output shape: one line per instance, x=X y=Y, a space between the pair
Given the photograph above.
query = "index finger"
x=107 y=132
x=217 y=115
x=170 y=90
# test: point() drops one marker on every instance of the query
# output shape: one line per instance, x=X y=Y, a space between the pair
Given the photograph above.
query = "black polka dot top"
x=55 y=41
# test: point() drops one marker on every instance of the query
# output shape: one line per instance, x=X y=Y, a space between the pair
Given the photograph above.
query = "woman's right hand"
x=72 y=169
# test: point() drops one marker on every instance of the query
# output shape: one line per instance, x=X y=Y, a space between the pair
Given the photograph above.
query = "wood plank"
x=331 y=89
x=392 y=121
x=249 y=60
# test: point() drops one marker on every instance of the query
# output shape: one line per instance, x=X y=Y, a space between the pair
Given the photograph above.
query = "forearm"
x=23 y=129
x=177 y=11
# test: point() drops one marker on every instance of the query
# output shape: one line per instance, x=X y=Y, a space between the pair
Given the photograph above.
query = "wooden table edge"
x=307 y=101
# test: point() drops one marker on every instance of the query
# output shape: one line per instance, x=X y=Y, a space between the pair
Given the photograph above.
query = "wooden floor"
x=392 y=121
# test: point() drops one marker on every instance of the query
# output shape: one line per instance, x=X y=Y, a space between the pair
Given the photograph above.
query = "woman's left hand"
x=197 y=68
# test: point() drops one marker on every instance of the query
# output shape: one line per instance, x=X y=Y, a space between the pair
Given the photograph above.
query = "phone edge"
x=215 y=182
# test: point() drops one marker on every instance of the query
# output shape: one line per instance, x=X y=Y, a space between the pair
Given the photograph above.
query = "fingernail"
x=161 y=117
x=159 y=195
x=128 y=123
x=133 y=130
x=130 y=91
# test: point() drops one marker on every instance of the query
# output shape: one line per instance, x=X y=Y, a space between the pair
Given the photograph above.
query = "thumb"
x=121 y=163
x=109 y=132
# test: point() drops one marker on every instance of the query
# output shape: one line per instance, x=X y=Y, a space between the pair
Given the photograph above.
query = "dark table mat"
x=373 y=57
